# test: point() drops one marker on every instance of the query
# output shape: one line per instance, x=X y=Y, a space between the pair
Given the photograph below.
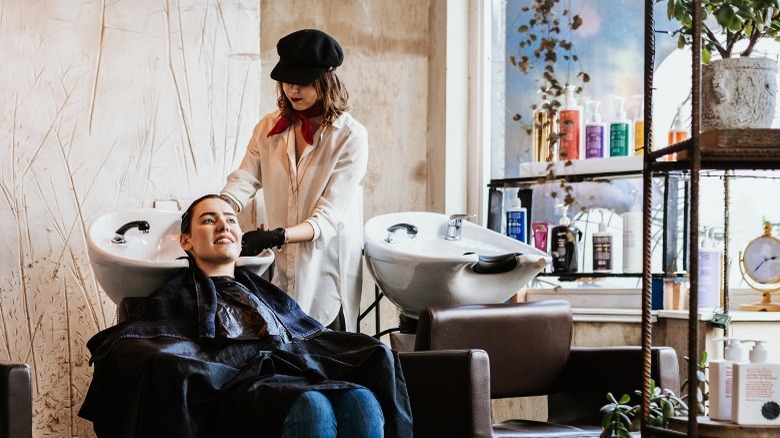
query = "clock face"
x=761 y=260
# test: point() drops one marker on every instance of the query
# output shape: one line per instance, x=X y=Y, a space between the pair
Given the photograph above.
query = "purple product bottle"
x=594 y=132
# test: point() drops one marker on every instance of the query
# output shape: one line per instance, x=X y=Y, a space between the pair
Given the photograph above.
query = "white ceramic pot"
x=738 y=93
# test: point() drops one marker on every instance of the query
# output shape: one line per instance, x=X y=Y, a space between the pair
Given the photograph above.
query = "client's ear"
x=184 y=241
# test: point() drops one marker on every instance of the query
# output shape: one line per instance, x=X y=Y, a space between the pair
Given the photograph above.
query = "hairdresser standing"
x=309 y=157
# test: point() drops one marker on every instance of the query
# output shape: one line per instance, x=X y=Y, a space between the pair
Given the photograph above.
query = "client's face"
x=214 y=239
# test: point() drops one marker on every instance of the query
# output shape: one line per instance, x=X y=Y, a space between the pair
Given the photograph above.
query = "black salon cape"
x=163 y=373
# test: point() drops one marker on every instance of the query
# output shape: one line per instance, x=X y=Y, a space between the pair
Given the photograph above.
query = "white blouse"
x=323 y=189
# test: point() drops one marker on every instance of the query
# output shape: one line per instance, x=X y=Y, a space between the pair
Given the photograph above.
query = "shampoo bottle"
x=619 y=131
x=639 y=127
x=570 y=124
x=595 y=132
x=721 y=379
x=710 y=271
x=756 y=399
x=516 y=220
x=678 y=132
x=564 y=245
x=602 y=248
x=543 y=126
x=632 y=238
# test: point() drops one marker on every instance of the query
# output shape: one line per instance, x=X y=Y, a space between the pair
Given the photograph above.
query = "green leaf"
x=680 y=41
x=706 y=55
x=668 y=409
x=624 y=399
x=680 y=13
x=727 y=18
x=670 y=5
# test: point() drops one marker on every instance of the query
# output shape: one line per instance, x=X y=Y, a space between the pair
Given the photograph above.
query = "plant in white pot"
x=738 y=90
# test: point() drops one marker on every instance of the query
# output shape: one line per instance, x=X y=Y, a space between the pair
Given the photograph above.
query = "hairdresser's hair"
x=186 y=218
x=329 y=88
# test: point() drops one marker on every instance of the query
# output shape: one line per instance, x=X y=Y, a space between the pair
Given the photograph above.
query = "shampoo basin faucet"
x=119 y=234
x=411 y=231
x=454 y=225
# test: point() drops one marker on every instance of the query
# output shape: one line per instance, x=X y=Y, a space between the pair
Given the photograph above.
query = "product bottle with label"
x=639 y=127
x=632 y=238
x=565 y=238
x=602 y=248
x=570 y=125
x=678 y=132
x=710 y=270
x=516 y=220
x=595 y=132
x=619 y=131
x=756 y=389
x=544 y=125
x=721 y=379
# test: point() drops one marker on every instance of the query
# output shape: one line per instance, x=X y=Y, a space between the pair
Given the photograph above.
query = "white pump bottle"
x=721 y=379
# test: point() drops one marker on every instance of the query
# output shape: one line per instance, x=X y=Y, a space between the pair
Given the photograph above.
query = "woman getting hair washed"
x=219 y=351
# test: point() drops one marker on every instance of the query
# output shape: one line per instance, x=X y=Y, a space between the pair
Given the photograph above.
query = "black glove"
x=255 y=241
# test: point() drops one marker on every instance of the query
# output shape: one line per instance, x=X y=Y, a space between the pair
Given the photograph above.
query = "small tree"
x=725 y=23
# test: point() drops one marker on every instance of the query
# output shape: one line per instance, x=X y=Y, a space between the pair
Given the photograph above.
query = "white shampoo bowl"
x=483 y=267
x=146 y=261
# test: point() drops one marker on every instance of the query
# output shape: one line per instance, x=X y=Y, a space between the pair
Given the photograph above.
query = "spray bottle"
x=595 y=132
x=619 y=130
x=570 y=125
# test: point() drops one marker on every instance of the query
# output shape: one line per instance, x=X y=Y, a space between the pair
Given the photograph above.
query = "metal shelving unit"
x=697 y=159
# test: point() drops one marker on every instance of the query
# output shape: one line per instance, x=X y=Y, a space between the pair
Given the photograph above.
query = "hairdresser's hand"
x=255 y=241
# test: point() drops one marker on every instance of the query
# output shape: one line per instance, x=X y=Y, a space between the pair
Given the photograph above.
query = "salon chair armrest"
x=591 y=373
x=15 y=401
x=449 y=392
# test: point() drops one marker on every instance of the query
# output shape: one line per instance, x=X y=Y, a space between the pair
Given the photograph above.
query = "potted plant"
x=738 y=90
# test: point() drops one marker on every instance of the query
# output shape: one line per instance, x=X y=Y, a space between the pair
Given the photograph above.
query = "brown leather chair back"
x=527 y=343
x=15 y=400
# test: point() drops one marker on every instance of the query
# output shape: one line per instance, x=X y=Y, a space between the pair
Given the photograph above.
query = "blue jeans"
x=347 y=414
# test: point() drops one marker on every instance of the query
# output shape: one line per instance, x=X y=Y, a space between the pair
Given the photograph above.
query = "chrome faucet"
x=119 y=234
x=411 y=231
x=454 y=225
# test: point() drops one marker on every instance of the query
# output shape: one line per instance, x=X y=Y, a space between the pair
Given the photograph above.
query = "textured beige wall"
x=110 y=105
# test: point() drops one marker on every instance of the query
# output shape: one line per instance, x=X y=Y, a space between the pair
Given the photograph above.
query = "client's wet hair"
x=186 y=218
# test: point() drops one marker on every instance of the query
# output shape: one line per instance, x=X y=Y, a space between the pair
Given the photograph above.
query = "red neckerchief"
x=306 y=129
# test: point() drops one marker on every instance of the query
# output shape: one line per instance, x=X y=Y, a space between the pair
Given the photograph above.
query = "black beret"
x=304 y=55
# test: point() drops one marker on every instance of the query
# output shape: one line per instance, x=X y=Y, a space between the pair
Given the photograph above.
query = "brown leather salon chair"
x=15 y=401
x=467 y=355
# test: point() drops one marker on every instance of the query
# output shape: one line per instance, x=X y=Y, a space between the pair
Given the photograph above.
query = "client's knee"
x=358 y=413
x=311 y=415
